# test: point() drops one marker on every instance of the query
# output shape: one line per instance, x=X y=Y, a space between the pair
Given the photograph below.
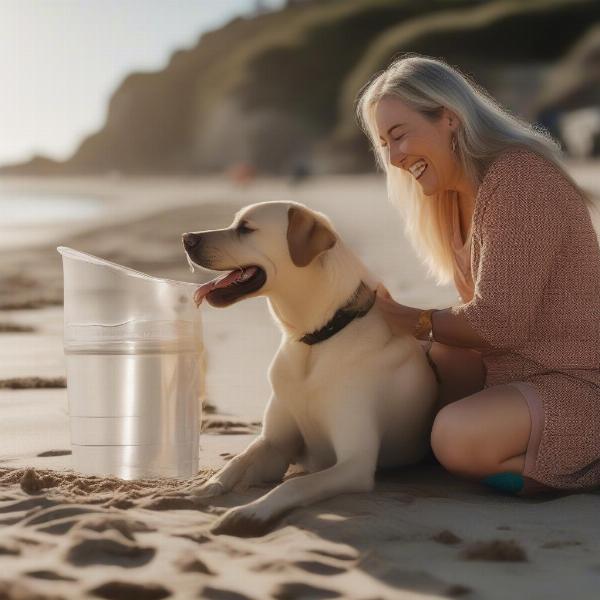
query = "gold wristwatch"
x=424 y=328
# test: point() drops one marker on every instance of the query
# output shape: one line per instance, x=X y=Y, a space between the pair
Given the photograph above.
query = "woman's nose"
x=395 y=157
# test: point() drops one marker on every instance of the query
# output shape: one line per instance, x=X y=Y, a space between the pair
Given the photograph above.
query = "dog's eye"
x=243 y=228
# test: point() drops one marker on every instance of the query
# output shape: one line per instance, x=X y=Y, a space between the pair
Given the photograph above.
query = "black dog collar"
x=359 y=305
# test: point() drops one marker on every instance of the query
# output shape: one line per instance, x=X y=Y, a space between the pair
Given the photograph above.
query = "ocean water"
x=33 y=208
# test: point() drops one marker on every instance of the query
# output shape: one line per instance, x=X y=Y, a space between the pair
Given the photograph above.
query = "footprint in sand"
x=170 y=503
x=495 y=550
x=49 y=575
x=340 y=555
x=297 y=590
x=207 y=407
x=55 y=453
x=28 y=383
x=16 y=589
x=212 y=593
x=193 y=564
x=229 y=427
x=9 y=548
x=122 y=503
x=446 y=537
x=15 y=328
x=125 y=527
x=122 y=590
x=199 y=538
x=457 y=589
x=271 y=566
x=9 y=521
x=28 y=504
x=560 y=543
x=318 y=567
x=60 y=526
x=108 y=549
x=29 y=541
x=57 y=512
x=97 y=523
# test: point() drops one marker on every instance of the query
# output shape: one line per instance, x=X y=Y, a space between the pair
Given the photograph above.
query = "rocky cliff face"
x=278 y=90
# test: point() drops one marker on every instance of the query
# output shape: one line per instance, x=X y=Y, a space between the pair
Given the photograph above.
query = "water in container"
x=135 y=378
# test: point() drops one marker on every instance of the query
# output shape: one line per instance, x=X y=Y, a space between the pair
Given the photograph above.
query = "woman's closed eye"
x=394 y=139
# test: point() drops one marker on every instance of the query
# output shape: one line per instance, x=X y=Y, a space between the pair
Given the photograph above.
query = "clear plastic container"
x=134 y=354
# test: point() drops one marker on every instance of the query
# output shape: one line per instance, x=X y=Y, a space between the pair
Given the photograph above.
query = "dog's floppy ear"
x=306 y=236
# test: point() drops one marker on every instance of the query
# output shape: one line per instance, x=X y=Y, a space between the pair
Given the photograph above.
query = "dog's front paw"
x=209 y=489
x=244 y=521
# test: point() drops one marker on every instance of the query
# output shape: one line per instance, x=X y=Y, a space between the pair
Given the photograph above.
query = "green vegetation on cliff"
x=278 y=89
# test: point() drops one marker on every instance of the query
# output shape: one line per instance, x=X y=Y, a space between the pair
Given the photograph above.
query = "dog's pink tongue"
x=218 y=282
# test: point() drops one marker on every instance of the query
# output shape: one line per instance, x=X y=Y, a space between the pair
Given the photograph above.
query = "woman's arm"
x=450 y=329
x=454 y=330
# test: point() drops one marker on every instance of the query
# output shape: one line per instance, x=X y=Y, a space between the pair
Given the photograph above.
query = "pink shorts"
x=536 y=412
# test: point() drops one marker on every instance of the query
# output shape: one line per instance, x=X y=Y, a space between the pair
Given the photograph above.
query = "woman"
x=486 y=203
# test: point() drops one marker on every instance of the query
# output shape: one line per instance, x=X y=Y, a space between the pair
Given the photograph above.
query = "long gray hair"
x=427 y=85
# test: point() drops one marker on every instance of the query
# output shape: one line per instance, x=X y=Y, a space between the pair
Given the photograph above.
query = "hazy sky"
x=60 y=60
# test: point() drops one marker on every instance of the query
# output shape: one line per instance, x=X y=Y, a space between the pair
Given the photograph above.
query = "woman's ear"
x=451 y=119
x=306 y=237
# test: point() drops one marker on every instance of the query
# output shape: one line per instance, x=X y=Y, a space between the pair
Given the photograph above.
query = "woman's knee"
x=445 y=440
x=456 y=445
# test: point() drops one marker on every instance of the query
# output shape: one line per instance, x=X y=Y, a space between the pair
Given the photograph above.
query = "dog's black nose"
x=189 y=240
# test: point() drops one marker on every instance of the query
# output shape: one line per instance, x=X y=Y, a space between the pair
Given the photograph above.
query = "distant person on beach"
x=300 y=173
x=487 y=204
x=242 y=174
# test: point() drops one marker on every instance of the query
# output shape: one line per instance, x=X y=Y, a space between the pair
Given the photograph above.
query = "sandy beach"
x=423 y=533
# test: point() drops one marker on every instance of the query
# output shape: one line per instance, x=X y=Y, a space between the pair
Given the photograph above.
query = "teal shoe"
x=505 y=482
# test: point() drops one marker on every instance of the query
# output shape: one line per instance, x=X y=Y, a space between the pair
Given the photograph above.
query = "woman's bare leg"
x=488 y=431
x=484 y=433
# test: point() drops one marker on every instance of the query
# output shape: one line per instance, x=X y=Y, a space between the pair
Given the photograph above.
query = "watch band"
x=430 y=337
x=424 y=326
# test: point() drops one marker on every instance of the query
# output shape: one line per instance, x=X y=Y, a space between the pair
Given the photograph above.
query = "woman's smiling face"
x=409 y=137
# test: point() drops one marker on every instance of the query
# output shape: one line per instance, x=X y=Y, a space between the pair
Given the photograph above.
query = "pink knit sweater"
x=535 y=262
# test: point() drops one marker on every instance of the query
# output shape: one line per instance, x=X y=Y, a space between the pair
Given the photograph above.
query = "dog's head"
x=267 y=247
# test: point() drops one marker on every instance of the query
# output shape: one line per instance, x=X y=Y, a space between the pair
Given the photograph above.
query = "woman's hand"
x=402 y=320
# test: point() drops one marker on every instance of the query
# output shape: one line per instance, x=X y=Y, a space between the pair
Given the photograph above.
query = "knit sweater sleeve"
x=520 y=238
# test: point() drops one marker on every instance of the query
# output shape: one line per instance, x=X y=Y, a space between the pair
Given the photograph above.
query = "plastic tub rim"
x=90 y=258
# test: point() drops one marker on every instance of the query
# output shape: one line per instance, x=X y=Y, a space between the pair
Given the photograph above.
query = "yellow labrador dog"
x=348 y=397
